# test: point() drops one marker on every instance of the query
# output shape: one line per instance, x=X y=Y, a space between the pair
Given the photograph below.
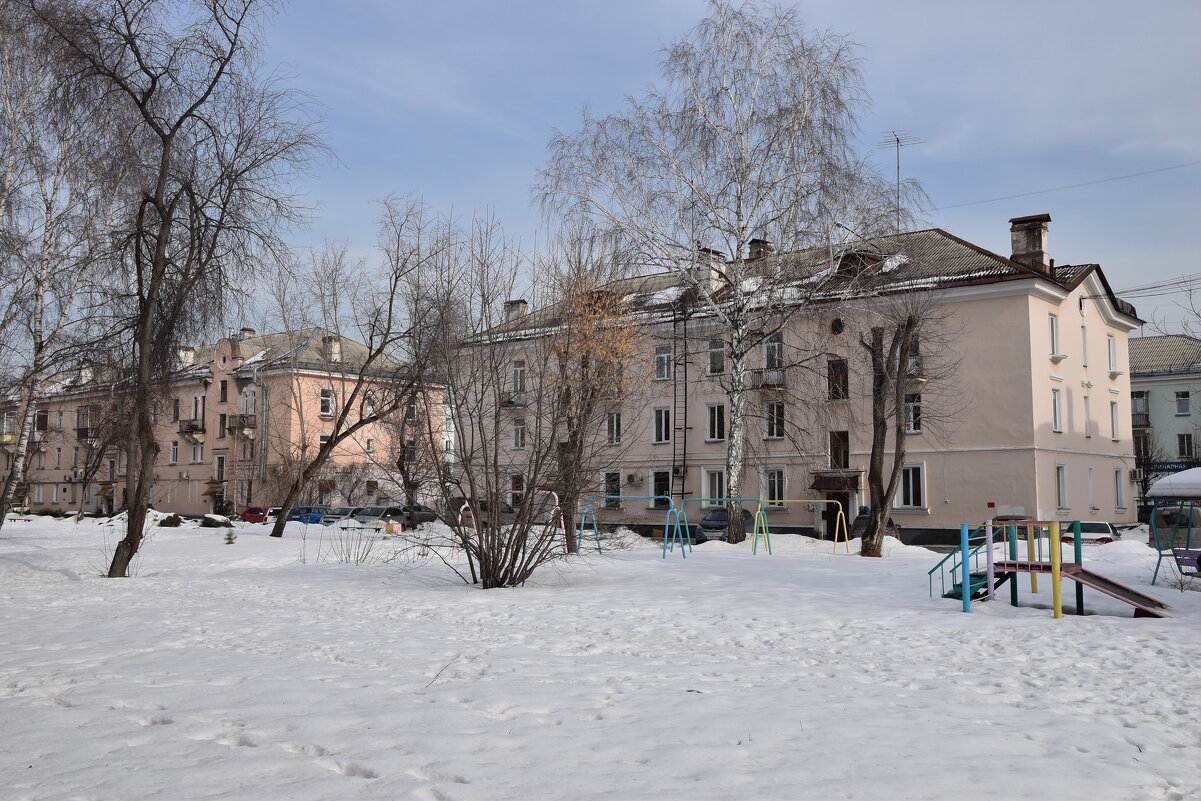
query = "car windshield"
x=1094 y=528
x=718 y=514
x=372 y=511
x=342 y=511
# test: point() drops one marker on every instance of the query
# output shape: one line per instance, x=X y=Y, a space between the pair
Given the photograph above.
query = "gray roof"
x=908 y=262
x=1173 y=353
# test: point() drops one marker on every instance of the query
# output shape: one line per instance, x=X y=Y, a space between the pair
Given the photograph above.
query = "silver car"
x=378 y=516
x=340 y=515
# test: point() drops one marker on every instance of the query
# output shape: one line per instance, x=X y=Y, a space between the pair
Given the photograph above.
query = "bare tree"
x=210 y=147
x=748 y=143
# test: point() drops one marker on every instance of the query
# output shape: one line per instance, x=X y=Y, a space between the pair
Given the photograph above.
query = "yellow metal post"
x=1056 y=558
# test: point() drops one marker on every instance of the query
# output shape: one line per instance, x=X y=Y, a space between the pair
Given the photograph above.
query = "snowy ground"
x=244 y=672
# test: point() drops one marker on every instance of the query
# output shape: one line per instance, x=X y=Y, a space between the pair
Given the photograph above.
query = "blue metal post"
x=967 y=569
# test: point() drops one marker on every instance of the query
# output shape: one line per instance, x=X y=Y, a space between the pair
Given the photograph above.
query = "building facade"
x=1028 y=418
x=1165 y=404
x=235 y=423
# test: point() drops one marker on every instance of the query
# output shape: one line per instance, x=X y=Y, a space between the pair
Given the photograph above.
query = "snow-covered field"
x=246 y=672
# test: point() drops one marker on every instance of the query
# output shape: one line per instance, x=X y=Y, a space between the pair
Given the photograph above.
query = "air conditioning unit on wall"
x=679 y=471
x=183 y=474
x=633 y=478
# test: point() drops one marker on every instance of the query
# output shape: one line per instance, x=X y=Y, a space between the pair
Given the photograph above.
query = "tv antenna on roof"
x=898 y=139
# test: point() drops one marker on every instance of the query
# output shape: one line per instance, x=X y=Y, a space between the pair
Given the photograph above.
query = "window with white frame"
x=1056 y=410
x=197 y=454
x=174 y=451
x=663 y=362
x=1053 y=333
x=411 y=410
x=717 y=356
x=717 y=422
x=519 y=432
x=1119 y=489
x=1184 y=446
x=661 y=488
x=219 y=468
x=913 y=413
x=1112 y=345
x=327 y=403
x=662 y=425
x=249 y=401
x=773 y=486
x=1113 y=420
x=410 y=452
x=370 y=450
x=221 y=425
x=1061 y=486
x=1182 y=403
x=613 y=427
x=518 y=384
x=715 y=484
x=773 y=412
x=58 y=458
x=1088 y=418
x=912 y=492
x=773 y=351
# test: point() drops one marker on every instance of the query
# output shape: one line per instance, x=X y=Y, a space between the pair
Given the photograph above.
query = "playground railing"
x=951 y=565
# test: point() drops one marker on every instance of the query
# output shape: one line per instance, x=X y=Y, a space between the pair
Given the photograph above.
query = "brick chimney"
x=332 y=345
x=709 y=264
x=247 y=332
x=1028 y=237
x=760 y=248
x=515 y=309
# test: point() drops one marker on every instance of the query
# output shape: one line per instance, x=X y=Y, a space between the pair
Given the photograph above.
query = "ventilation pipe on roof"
x=515 y=309
x=333 y=348
x=708 y=269
x=1028 y=236
x=247 y=332
x=760 y=248
x=185 y=356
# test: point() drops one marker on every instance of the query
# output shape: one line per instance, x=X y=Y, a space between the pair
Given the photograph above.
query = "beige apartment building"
x=1028 y=416
x=235 y=422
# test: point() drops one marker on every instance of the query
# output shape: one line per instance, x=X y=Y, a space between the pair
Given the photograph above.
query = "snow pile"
x=245 y=671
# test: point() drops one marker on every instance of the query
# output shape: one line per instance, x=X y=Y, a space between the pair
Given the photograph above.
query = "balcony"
x=767 y=379
x=86 y=433
x=193 y=430
x=1140 y=419
x=512 y=399
x=8 y=439
x=243 y=421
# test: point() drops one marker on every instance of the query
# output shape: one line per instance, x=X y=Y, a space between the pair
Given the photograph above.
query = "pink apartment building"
x=1030 y=418
x=235 y=421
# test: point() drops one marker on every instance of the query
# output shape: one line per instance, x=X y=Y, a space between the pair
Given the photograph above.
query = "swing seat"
x=1186 y=560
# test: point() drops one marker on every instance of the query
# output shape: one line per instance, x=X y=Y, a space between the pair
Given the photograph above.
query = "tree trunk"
x=736 y=437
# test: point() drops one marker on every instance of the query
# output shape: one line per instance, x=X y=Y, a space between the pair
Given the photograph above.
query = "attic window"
x=857 y=262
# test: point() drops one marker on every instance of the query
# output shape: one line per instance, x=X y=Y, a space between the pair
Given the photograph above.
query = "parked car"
x=860 y=525
x=481 y=506
x=254 y=514
x=715 y=525
x=272 y=514
x=377 y=516
x=339 y=514
x=308 y=514
x=1090 y=531
x=418 y=513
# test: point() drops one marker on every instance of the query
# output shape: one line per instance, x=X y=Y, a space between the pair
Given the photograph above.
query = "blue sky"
x=454 y=101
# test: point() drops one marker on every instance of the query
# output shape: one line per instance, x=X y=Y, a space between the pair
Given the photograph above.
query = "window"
x=371 y=450
x=613 y=490
x=773 y=411
x=1084 y=346
x=613 y=427
x=516 y=490
x=1061 y=486
x=662 y=362
x=249 y=401
x=221 y=419
x=327 y=403
x=913 y=413
x=198 y=407
x=1119 y=490
x=717 y=356
x=41 y=460
x=174 y=451
x=411 y=410
x=1088 y=418
x=838 y=380
x=174 y=412
x=1111 y=343
x=1142 y=447
x=1113 y=420
x=8 y=423
x=1182 y=403
x=715 y=483
x=223 y=392
x=219 y=468
x=58 y=420
x=519 y=432
x=197 y=454
x=518 y=375
x=717 y=422
x=1184 y=446
x=369 y=402
x=41 y=420
x=1138 y=403
x=912 y=490
x=840 y=450
x=1053 y=333
x=915 y=356
x=410 y=452
x=773 y=486
x=247 y=448
x=1056 y=411
x=662 y=425
x=661 y=488
x=58 y=458
x=75 y=456
x=323 y=441
x=773 y=351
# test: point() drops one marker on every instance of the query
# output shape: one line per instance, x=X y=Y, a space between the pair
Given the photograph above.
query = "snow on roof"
x=1185 y=484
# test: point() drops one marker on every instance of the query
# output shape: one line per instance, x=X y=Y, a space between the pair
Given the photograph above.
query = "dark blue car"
x=308 y=514
x=716 y=525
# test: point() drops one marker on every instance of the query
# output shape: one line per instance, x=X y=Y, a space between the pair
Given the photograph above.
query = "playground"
x=241 y=671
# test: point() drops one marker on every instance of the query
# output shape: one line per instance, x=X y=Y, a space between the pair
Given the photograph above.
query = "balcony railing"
x=1140 y=419
x=243 y=421
x=195 y=426
x=767 y=378
x=85 y=432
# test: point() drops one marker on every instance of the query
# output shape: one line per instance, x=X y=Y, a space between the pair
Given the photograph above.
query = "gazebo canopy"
x=1186 y=485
